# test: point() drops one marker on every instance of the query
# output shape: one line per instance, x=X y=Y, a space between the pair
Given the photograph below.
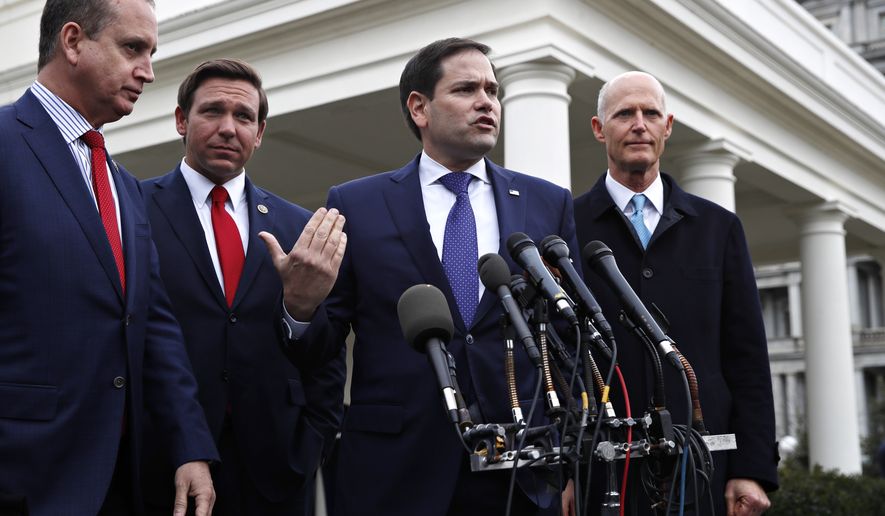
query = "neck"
x=636 y=180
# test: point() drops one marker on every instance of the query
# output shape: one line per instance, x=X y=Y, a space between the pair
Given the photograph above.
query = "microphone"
x=599 y=257
x=426 y=322
x=556 y=251
x=524 y=252
x=495 y=276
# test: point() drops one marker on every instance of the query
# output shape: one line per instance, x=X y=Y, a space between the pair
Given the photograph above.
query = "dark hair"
x=91 y=15
x=226 y=69
x=424 y=70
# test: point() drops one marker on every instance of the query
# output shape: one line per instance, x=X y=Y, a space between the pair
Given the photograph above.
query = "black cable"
x=522 y=440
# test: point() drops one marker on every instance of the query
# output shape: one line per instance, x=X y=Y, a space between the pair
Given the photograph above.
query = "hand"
x=744 y=497
x=568 y=499
x=310 y=269
x=193 y=479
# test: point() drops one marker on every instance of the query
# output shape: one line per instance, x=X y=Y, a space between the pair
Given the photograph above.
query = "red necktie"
x=228 y=243
x=105 y=198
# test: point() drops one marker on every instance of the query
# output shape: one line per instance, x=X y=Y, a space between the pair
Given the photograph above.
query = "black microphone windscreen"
x=594 y=251
x=424 y=314
x=493 y=271
x=553 y=248
x=517 y=242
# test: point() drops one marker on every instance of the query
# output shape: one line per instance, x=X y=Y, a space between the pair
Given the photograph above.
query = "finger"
x=203 y=506
x=323 y=231
x=306 y=236
x=339 y=252
x=273 y=246
x=333 y=243
x=180 y=506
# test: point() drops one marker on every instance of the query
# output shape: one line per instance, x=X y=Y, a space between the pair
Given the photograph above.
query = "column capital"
x=715 y=149
x=536 y=78
x=824 y=217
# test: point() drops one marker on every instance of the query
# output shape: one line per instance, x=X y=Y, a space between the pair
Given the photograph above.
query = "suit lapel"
x=406 y=207
x=127 y=230
x=174 y=199
x=259 y=221
x=50 y=149
x=510 y=205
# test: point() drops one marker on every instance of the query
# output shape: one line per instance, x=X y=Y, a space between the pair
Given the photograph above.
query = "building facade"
x=776 y=119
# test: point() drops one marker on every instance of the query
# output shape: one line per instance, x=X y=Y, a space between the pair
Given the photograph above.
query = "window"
x=776 y=312
x=869 y=290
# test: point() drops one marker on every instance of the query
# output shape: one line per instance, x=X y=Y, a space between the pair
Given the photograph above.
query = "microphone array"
x=583 y=427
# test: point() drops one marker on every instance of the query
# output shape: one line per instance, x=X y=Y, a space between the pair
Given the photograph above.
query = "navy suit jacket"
x=76 y=352
x=282 y=415
x=399 y=454
x=697 y=270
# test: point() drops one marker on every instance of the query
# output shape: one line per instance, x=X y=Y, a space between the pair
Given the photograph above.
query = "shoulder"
x=290 y=208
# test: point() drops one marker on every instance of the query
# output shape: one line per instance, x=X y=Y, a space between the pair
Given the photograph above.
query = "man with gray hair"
x=667 y=241
x=87 y=339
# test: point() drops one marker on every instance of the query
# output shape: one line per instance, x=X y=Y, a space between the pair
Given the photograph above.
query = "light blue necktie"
x=638 y=219
x=459 y=254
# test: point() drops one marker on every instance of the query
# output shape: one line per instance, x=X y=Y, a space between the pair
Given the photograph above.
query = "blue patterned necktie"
x=638 y=219
x=459 y=254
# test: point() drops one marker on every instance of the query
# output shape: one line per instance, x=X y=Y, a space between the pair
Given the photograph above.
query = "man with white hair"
x=689 y=257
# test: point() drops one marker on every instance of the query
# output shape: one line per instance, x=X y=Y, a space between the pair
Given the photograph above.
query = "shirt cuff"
x=294 y=329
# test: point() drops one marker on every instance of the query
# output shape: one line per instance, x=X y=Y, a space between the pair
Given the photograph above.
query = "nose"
x=145 y=71
x=484 y=101
x=226 y=126
x=638 y=121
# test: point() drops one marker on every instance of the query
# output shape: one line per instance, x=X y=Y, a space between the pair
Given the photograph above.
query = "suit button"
x=647 y=273
x=127 y=319
x=232 y=318
x=119 y=382
x=225 y=377
x=468 y=339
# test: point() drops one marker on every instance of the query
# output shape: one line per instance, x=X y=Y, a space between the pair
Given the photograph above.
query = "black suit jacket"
x=284 y=413
x=697 y=270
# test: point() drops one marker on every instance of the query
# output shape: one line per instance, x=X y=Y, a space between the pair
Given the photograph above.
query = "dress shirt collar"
x=69 y=121
x=201 y=187
x=429 y=170
x=621 y=195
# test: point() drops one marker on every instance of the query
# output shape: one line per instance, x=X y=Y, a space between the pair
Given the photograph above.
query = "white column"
x=780 y=418
x=795 y=296
x=707 y=170
x=830 y=382
x=793 y=404
x=863 y=413
x=536 y=132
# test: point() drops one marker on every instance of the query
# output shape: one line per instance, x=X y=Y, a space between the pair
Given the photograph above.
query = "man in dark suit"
x=398 y=453
x=270 y=417
x=689 y=257
x=87 y=338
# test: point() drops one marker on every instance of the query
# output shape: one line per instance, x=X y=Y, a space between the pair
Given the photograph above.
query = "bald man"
x=689 y=257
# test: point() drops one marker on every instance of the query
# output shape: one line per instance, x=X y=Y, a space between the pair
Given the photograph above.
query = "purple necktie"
x=459 y=254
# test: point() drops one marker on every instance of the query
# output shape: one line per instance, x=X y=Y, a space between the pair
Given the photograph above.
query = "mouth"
x=133 y=92
x=224 y=149
x=485 y=122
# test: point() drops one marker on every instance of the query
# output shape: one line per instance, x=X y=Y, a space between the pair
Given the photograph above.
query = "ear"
x=597 y=129
x=180 y=121
x=418 y=104
x=670 y=120
x=70 y=42
x=260 y=134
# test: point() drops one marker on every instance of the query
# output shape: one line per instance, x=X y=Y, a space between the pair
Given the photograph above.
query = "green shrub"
x=826 y=493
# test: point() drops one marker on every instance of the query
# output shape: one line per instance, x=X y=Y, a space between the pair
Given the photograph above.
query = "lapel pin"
x=514 y=192
x=262 y=208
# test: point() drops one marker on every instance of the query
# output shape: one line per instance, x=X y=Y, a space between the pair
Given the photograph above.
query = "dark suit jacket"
x=282 y=415
x=697 y=270
x=76 y=353
x=399 y=454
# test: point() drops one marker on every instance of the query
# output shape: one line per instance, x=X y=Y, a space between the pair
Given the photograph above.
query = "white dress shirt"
x=654 y=206
x=201 y=189
x=72 y=126
x=438 y=202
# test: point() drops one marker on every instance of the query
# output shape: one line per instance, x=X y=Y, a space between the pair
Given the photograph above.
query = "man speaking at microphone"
x=428 y=222
x=689 y=257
